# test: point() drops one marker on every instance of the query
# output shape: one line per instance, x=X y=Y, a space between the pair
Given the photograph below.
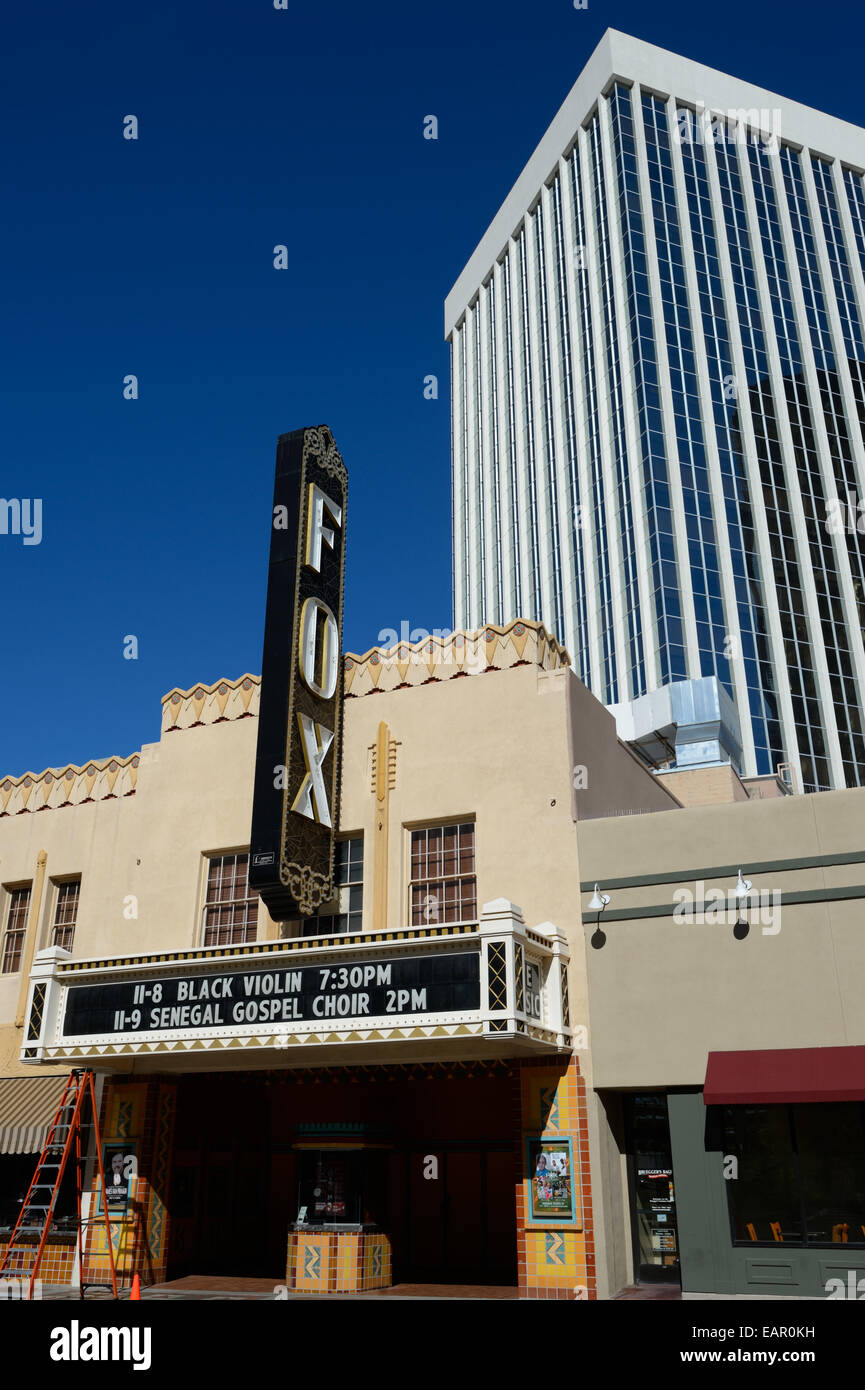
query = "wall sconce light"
x=598 y=903
x=743 y=886
x=740 y=893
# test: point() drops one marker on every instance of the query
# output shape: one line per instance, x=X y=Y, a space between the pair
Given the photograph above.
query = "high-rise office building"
x=658 y=413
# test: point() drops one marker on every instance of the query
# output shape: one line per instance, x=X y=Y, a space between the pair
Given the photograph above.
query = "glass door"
x=653 y=1193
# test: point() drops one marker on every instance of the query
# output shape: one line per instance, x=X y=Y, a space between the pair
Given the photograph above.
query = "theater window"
x=17 y=908
x=345 y=912
x=230 y=915
x=65 y=914
x=443 y=886
x=800 y=1173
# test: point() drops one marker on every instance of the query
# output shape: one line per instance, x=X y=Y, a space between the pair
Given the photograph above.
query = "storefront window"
x=16 y=1175
x=763 y=1193
x=800 y=1174
x=832 y=1172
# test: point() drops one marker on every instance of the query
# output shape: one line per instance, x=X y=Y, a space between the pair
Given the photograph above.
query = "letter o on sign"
x=319 y=648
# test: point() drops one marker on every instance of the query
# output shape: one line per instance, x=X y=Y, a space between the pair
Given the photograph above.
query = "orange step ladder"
x=23 y=1254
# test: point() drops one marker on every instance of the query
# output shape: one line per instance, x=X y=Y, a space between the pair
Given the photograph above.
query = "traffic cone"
x=136 y=1289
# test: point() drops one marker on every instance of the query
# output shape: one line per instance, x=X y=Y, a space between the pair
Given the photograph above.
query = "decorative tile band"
x=56 y=787
x=209 y=704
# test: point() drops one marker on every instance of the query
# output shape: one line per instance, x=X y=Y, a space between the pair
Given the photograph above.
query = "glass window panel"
x=231 y=911
x=450 y=837
x=436 y=892
x=418 y=852
x=434 y=852
x=830 y=1140
x=764 y=1200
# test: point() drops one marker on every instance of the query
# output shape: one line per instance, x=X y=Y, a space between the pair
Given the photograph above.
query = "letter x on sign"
x=311 y=800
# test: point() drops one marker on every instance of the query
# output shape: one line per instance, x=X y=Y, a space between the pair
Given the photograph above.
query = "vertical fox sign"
x=297 y=768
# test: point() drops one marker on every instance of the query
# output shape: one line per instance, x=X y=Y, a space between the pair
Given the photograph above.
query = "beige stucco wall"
x=664 y=995
x=609 y=780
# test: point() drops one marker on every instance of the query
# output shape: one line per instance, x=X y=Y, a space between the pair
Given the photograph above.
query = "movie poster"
x=551 y=1179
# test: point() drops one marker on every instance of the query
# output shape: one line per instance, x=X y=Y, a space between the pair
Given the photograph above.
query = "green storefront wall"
x=710 y=1262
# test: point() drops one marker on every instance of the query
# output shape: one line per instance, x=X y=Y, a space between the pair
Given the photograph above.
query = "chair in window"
x=752 y=1230
x=777 y=1233
x=839 y=1233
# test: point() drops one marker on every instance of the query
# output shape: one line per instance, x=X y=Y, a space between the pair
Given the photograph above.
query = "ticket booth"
x=341 y=1207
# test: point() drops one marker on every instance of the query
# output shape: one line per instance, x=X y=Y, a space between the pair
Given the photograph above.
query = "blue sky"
x=260 y=127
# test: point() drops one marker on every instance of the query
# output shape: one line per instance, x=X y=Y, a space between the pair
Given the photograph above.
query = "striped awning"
x=28 y=1104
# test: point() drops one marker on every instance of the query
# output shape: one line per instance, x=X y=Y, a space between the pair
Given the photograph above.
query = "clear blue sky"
x=154 y=257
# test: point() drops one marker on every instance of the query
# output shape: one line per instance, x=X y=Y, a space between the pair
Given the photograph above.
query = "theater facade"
x=465 y=1067
x=395 y=1088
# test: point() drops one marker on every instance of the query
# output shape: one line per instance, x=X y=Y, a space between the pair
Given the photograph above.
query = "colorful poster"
x=550 y=1180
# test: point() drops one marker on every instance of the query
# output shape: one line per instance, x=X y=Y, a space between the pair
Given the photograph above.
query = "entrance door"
x=215 y=1227
x=459 y=1227
x=653 y=1194
x=219 y=1209
x=465 y=1214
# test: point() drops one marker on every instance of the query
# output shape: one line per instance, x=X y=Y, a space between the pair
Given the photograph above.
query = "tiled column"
x=556 y=1259
x=142 y=1114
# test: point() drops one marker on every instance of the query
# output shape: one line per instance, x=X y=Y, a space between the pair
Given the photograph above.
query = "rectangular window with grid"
x=231 y=908
x=345 y=912
x=443 y=885
x=16 y=927
x=65 y=913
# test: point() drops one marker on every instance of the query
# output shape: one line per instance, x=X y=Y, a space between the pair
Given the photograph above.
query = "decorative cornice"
x=98 y=780
x=490 y=648
x=435 y=658
x=208 y=704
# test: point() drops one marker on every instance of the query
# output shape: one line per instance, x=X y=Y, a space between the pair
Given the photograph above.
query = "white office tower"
x=658 y=361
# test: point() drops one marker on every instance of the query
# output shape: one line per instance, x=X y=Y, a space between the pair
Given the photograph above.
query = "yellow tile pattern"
x=556 y=1262
x=341 y=1262
x=56 y=1264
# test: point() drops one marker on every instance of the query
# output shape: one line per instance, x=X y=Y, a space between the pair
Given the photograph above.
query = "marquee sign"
x=436 y=986
x=396 y=986
x=297 y=768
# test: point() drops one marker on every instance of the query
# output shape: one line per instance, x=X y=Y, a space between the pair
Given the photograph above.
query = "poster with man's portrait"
x=119 y=1167
x=550 y=1165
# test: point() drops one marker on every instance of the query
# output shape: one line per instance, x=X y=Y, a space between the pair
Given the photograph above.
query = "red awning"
x=793 y=1074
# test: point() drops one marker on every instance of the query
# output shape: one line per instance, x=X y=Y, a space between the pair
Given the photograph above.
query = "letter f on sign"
x=317 y=503
x=311 y=800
